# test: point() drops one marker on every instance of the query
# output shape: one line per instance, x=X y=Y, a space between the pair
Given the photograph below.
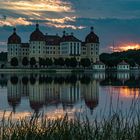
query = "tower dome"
x=37 y=35
x=14 y=38
x=92 y=37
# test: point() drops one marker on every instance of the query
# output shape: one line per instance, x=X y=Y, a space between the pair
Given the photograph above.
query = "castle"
x=52 y=47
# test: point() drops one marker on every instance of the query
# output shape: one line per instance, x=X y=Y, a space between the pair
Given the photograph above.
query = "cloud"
x=64 y=26
x=14 y=22
x=114 y=20
x=29 y=6
x=61 y=20
x=32 y=11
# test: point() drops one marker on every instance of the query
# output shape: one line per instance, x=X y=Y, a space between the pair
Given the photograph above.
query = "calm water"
x=89 y=94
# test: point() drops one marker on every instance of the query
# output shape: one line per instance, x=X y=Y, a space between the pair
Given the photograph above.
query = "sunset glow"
x=125 y=92
x=125 y=47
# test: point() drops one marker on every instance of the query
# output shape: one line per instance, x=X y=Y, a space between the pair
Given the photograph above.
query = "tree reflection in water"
x=45 y=91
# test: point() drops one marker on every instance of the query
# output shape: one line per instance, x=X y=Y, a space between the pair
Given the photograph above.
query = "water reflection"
x=45 y=90
x=66 y=93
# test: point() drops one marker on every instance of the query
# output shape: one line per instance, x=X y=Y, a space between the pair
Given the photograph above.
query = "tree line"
x=48 y=62
x=132 y=57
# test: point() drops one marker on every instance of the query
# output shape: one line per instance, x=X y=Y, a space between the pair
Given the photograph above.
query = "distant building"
x=52 y=46
x=100 y=66
x=123 y=66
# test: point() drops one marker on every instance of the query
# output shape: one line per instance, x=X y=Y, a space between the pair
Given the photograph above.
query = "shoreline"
x=9 y=70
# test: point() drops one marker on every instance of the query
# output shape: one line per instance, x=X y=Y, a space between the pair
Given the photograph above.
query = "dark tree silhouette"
x=32 y=61
x=48 y=62
x=25 y=61
x=67 y=62
x=14 y=61
x=85 y=62
x=42 y=62
x=73 y=62
x=59 y=62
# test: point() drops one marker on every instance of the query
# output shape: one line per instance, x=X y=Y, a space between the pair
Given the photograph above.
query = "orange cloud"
x=14 y=22
x=125 y=47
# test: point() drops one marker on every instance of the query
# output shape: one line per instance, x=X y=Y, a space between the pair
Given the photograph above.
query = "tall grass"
x=37 y=127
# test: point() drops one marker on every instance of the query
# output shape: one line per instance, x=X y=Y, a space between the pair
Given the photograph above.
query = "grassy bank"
x=39 y=128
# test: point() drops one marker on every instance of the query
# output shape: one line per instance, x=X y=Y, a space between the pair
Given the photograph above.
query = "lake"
x=92 y=95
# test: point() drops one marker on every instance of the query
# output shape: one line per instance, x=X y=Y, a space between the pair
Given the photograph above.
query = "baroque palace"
x=52 y=47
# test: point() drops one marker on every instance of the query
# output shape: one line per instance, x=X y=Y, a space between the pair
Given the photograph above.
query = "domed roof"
x=92 y=37
x=14 y=38
x=37 y=35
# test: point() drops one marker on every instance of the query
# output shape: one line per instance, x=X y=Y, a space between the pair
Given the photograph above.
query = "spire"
x=92 y=28
x=14 y=30
x=37 y=26
x=64 y=33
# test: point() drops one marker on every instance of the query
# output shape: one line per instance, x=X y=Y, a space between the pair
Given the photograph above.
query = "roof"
x=37 y=35
x=92 y=37
x=25 y=45
x=99 y=63
x=123 y=63
x=69 y=38
x=14 y=38
x=52 y=39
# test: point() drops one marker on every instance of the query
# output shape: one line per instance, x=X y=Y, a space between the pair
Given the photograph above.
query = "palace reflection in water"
x=68 y=91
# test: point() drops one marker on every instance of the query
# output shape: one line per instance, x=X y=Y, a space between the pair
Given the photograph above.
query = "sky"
x=116 y=22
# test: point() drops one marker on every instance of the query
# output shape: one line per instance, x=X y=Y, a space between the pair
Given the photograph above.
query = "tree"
x=59 y=62
x=85 y=62
x=48 y=62
x=32 y=61
x=14 y=61
x=25 y=61
x=73 y=62
x=42 y=62
x=67 y=62
x=56 y=62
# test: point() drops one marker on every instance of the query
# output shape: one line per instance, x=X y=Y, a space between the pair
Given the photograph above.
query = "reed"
x=38 y=127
